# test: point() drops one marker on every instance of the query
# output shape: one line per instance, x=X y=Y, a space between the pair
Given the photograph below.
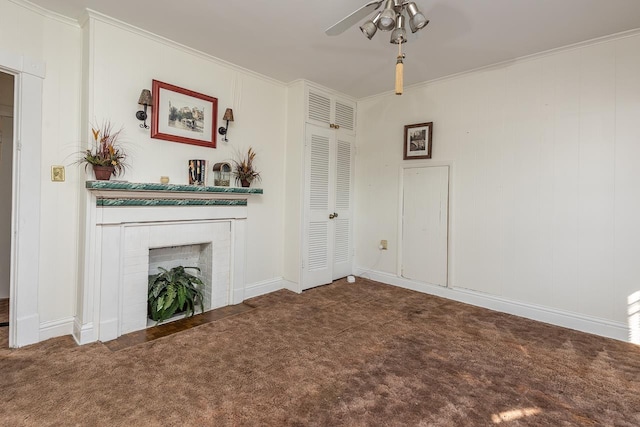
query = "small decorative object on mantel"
x=221 y=174
x=105 y=156
x=417 y=141
x=244 y=169
x=197 y=172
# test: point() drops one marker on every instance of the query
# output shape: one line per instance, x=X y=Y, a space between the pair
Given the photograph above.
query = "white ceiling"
x=285 y=39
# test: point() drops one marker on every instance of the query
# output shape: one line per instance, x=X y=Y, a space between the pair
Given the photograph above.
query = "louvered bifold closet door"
x=317 y=263
x=343 y=246
x=318 y=107
x=345 y=116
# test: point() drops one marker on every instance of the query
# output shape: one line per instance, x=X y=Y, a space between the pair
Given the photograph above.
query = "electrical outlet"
x=383 y=245
x=57 y=173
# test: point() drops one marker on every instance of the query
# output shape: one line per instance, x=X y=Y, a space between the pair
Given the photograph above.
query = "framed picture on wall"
x=182 y=115
x=417 y=141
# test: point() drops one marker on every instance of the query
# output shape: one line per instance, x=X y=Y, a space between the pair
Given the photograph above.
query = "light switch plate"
x=57 y=173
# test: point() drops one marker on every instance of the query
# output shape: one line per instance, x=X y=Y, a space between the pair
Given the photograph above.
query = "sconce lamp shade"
x=145 y=100
x=228 y=115
x=145 y=97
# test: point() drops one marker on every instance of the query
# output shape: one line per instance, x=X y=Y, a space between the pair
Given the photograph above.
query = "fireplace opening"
x=199 y=255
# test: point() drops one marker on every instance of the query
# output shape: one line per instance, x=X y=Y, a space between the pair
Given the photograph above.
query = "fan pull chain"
x=399 y=70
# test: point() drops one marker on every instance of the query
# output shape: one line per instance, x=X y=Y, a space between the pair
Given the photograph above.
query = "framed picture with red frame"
x=182 y=115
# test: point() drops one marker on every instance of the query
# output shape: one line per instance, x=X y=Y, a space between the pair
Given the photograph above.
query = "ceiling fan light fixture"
x=388 y=17
x=417 y=20
x=399 y=34
x=370 y=27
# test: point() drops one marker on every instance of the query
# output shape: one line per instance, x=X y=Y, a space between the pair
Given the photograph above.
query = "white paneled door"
x=328 y=187
x=425 y=205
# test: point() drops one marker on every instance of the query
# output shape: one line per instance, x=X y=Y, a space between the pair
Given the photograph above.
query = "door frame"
x=24 y=321
x=450 y=228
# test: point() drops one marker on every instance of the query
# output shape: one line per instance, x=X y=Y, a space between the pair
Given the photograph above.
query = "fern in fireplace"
x=174 y=291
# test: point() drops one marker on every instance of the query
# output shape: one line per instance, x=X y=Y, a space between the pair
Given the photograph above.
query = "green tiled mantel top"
x=169 y=188
x=169 y=202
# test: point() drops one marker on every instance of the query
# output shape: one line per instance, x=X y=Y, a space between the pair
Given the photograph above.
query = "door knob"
x=331 y=216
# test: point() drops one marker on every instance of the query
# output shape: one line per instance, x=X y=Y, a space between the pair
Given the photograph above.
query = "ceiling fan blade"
x=353 y=18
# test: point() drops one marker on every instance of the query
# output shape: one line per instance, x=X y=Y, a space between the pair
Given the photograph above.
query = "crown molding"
x=46 y=13
x=521 y=59
x=105 y=19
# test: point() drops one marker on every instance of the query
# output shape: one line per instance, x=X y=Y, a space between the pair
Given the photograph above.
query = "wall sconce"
x=145 y=100
x=228 y=116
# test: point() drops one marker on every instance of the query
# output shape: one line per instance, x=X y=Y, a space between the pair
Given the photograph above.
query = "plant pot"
x=103 y=173
x=245 y=183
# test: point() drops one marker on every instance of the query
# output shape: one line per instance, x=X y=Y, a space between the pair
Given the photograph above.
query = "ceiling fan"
x=390 y=18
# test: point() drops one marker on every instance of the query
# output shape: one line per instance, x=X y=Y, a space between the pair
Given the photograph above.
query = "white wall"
x=545 y=193
x=25 y=31
x=6 y=160
x=121 y=61
x=125 y=60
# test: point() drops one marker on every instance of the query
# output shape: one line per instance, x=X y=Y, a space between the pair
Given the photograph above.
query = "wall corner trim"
x=83 y=334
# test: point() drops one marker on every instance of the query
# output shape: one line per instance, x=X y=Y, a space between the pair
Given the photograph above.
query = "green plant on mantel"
x=172 y=291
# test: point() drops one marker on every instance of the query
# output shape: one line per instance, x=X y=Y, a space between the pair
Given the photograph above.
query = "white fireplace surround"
x=124 y=310
x=112 y=299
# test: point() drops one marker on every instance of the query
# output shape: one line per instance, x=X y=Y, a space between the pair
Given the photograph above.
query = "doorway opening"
x=7 y=92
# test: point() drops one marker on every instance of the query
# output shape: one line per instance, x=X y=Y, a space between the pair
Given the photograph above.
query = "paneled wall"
x=125 y=60
x=545 y=191
x=101 y=80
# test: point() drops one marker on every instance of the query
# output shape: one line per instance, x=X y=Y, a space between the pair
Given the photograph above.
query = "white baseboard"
x=264 y=287
x=27 y=330
x=579 y=322
x=56 y=328
x=83 y=334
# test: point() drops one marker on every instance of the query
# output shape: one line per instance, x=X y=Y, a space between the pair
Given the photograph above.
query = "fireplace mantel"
x=124 y=220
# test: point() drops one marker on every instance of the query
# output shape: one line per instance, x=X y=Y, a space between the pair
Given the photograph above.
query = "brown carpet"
x=363 y=354
x=4 y=310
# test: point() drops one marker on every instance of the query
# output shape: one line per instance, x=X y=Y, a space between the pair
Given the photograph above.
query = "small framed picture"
x=417 y=141
x=182 y=115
